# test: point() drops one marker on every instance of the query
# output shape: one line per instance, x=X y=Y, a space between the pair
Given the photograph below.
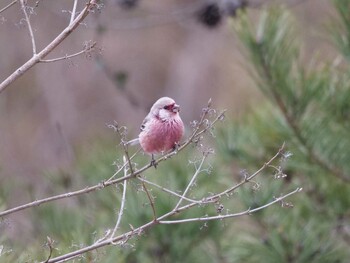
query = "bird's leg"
x=153 y=162
x=176 y=147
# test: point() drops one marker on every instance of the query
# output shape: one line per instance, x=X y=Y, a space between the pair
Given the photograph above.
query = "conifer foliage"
x=308 y=108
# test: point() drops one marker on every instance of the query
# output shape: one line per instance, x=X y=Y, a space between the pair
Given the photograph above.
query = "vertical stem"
x=31 y=33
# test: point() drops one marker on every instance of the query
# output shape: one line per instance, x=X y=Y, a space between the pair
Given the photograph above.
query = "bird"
x=162 y=128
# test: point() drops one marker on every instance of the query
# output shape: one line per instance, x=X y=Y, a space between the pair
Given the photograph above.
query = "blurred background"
x=145 y=50
x=57 y=112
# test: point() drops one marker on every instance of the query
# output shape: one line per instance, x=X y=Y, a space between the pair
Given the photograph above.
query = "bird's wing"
x=145 y=121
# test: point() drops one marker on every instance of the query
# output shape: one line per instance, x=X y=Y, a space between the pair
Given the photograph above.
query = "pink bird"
x=162 y=129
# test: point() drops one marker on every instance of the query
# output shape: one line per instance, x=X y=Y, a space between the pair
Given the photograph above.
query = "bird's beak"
x=176 y=108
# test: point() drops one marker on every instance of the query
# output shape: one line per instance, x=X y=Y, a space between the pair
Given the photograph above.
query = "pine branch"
x=273 y=53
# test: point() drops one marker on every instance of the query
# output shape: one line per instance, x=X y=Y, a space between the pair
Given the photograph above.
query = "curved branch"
x=220 y=217
x=152 y=223
x=88 y=48
x=191 y=182
x=30 y=29
x=121 y=210
x=195 y=135
x=126 y=236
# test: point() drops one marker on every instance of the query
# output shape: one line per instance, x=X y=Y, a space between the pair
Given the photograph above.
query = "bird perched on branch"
x=162 y=129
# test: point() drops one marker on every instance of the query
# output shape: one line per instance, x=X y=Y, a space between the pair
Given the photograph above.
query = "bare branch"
x=121 y=210
x=65 y=195
x=88 y=48
x=8 y=6
x=144 y=227
x=198 y=170
x=49 y=243
x=196 y=133
x=213 y=198
x=247 y=179
x=169 y=191
x=122 y=167
x=220 y=217
x=151 y=200
x=49 y=48
x=31 y=33
x=121 y=131
x=73 y=11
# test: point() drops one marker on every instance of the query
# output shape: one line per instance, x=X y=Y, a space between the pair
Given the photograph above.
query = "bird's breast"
x=161 y=135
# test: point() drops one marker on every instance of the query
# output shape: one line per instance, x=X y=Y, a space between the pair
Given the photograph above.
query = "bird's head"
x=165 y=108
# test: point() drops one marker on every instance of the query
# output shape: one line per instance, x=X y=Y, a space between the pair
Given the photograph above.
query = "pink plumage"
x=162 y=129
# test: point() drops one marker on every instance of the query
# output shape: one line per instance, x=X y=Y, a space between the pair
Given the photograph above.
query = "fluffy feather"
x=162 y=129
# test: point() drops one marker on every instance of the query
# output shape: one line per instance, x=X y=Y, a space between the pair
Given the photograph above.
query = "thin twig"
x=151 y=200
x=142 y=228
x=121 y=210
x=30 y=29
x=123 y=142
x=247 y=179
x=213 y=198
x=49 y=243
x=65 y=195
x=198 y=170
x=134 y=231
x=73 y=11
x=49 y=48
x=169 y=191
x=8 y=6
x=126 y=151
x=196 y=133
x=229 y=190
x=220 y=217
x=88 y=48
x=122 y=167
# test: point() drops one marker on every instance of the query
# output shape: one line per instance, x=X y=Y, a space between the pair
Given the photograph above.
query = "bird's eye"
x=168 y=107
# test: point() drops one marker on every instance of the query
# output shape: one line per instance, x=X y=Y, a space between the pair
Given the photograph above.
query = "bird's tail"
x=133 y=142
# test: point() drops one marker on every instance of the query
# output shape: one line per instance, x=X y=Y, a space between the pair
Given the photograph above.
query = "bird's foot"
x=153 y=162
x=176 y=147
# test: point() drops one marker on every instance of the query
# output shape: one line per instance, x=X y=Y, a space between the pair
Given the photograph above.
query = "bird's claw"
x=153 y=162
x=176 y=147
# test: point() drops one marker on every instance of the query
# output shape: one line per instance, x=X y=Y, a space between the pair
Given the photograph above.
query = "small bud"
x=221 y=116
x=209 y=103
